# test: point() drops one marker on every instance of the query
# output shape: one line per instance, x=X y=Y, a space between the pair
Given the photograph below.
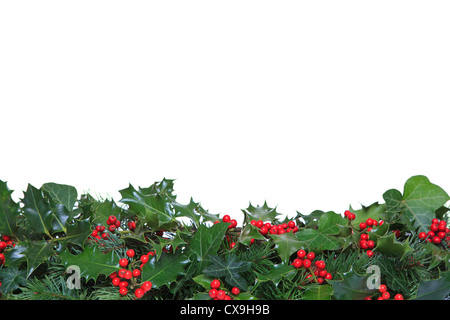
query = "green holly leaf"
x=375 y=211
x=351 y=286
x=286 y=244
x=250 y=232
x=264 y=213
x=154 y=209
x=62 y=194
x=188 y=211
x=36 y=253
x=278 y=272
x=173 y=243
x=437 y=289
x=437 y=255
x=14 y=256
x=318 y=292
x=230 y=268
x=165 y=270
x=206 y=241
x=389 y=245
x=38 y=211
x=76 y=233
x=9 y=211
x=103 y=210
x=92 y=262
x=11 y=279
x=421 y=199
x=310 y=220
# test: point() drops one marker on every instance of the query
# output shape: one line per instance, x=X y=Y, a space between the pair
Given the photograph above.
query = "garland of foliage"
x=149 y=246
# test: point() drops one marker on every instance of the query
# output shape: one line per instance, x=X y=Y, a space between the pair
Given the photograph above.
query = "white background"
x=306 y=104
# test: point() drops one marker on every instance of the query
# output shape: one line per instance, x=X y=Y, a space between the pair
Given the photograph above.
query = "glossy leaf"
x=62 y=194
x=165 y=270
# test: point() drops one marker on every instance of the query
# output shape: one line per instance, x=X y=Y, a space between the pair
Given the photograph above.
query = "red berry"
x=212 y=293
x=369 y=222
x=116 y=281
x=130 y=253
x=301 y=253
x=226 y=218
x=362 y=226
x=398 y=297
x=235 y=291
x=307 y=263
x=136 y=273
x=259 y=223
x=364 y=236
x=123 y=291
x=370 y=244
x=144 y=258
x=215 y=284
x=328 y=276
x=320 y=264
x=434 y=227
x=111 y=219
x=123 y=284
x=128 y=275
x=273 y=230
x=363 y=244
x=434 y=221
x=123 y=262
x=422 y=235
x=385 y=295
x=291 y=224
x=437 y=240
x=139 y=293
x=220 y=294
x=233 y=223
x=369 y=253
x=310 y=256
x=263 y=230
x=383 y=288
x=253 y=223
x=146 y=286
x=112 y=228
x=297 y=263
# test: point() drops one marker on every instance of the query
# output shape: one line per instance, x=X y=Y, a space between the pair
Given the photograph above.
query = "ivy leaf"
x=318 y=292
x=37 y=211
x=206 y=241
x=352 y=286
x=421 y=199
x=331 y=223
x=264 y=213
x=394 y=205
x=317 y=241
x=437 y=289
x=62 y=194
x=286 y=244
x=11 y=279
x=9 y=211
x=92 y=262
x=389 y=245
x=165 y=270
x=230 y=269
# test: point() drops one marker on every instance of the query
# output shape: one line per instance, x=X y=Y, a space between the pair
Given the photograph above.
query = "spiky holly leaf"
x=76 y=233
x=310 y=220
x=188 y=211
x=36 y=253
x=62 y=194
x=437 y=255
x=250 y=232
x=204 y=280
x=437 y=289
x=318 y=292
x=38 y=211
x=351 y=286
x=11 y=279
x=14 y=256
x=264 y=213
x=92 y=262
x=165 y=270
x=206 y=241
x=9 y=211
x=286 y=244
x=103 y=210
x=389 y=245
x=375 y=211
x=421 y=199
x=172 y=243
x=230 y=269
x=278 y=272
x=154 y=209
x=163 y=187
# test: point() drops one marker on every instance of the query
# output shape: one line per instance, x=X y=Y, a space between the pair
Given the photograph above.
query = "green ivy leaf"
x=230 y=269
x=286 y=244
x=165 y=270
x=421 y=199
x=62 y=194
x=92 y=262
x=317 y=241
x=9 y=211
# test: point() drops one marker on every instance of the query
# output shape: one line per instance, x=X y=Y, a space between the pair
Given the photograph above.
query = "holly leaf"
x=318 y=292
x=278 y=272
x=389 y=245
x=103 y=210
x=62 y=194
x=188 y=211
x=165 y=270
x=230 y=269
x=250 y=232
x=264 y=213
x=352 y=286
x=155 y=209
x=92 y=262
x=9 y=211
x=331 y=223
x=11 y=279
x=375 y=211
x=437 y=289
x=286 y=244
x=310 y=220
x=36 y=253
x=421 y=199
x=76 y=233
x=37 y=211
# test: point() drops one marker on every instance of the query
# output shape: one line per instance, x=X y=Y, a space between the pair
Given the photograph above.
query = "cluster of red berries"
x=364 y=242
x=349 y=215
x=267 y=227
x=438 y=232
x=5 y=243
x=227 y=219
x=318 y=271
x=218 y=294
x=131 y=225
x=113 y=223
x=385 y=295
x=127 y=276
